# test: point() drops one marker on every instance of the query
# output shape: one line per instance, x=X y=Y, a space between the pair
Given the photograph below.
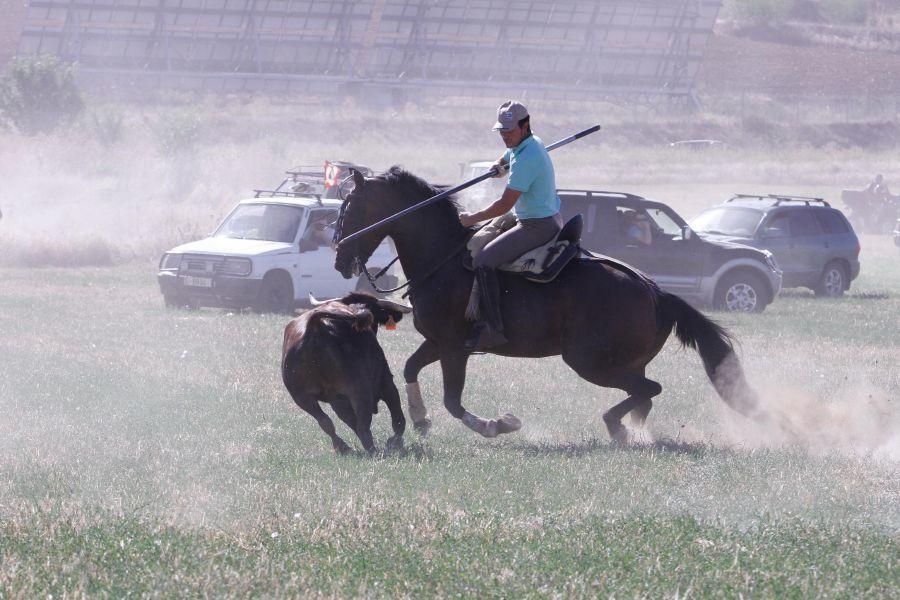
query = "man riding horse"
x=605 y=320
x=531 y=195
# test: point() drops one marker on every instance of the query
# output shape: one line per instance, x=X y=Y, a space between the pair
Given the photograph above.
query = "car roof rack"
x=286 y=194
x=778 y=199
x=592 y=193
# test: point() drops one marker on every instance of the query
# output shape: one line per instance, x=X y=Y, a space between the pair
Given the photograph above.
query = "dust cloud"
x=819 y=405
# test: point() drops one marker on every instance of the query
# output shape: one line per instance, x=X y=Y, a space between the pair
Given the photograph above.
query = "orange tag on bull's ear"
x=391 y=324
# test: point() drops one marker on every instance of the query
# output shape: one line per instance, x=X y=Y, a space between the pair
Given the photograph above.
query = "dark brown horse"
x=606 y=323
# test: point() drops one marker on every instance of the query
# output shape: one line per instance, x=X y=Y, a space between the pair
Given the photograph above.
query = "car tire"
x=173 y=301
x=741 y=291
x=276 y=295
x=179 y=302
x=833 y=282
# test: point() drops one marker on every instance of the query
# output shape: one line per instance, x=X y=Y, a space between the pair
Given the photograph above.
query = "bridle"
x=361 y=264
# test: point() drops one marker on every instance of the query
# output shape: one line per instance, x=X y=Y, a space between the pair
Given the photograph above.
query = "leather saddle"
x=545 y=262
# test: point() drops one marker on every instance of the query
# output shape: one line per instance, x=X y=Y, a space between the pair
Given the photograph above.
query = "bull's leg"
x=363 y=405
x=453 y=368
x=344 y=410
x=424 y=355
x=311 y=406
x=392 y=398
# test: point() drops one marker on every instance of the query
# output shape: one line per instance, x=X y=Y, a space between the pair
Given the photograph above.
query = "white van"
x=269 y=254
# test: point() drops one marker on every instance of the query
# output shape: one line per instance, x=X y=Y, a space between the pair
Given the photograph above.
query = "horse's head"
x=377 y=198
x=361 y=208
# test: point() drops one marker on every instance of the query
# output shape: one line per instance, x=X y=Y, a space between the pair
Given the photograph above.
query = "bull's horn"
x=314 y=302
x=394 y=306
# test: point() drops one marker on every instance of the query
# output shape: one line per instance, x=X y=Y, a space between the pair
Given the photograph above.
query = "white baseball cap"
x=509 y=114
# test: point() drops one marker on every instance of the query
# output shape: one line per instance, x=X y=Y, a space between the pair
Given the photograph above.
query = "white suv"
x=268 y=254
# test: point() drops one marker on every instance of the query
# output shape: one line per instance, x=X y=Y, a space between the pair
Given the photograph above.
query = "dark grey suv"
x=724 y=275
x=814 y=244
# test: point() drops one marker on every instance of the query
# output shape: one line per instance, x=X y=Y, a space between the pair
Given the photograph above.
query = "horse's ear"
x=358 y=178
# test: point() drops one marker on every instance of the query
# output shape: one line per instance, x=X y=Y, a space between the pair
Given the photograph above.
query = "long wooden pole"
x=462 y=186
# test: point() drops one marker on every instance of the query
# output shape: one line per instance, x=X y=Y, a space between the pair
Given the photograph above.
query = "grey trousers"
x=525 y=235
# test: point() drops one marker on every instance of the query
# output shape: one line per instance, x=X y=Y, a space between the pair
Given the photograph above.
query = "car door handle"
x=305 y=276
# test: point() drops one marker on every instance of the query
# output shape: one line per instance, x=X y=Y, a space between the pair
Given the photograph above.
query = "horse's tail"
x=716 y=348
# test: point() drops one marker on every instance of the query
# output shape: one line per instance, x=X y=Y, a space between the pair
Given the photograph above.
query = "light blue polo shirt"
x=531 y=172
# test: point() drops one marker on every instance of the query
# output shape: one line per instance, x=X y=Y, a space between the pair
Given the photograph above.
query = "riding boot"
x=487 y=330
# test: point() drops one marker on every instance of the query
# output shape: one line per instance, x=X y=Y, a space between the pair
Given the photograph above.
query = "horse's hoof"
x=620 y=437
x=617 y=432
x=393 y=444
x=422 y=427
x=342 y=448
x=508 y=423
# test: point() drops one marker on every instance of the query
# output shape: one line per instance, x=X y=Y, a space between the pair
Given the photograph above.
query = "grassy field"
x=155 y=453
x=147 y=452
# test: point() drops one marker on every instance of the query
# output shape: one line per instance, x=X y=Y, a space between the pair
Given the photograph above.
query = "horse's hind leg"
x=639 y=403
x=639 y=413
x=424 y=355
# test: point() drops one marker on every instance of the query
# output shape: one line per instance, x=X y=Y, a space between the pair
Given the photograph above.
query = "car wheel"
x=833 y=281
x=276 y=294
x=173 y=301
x=741 y=292
x=179 y=302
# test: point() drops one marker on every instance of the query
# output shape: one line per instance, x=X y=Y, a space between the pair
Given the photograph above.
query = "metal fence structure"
x=576 y=49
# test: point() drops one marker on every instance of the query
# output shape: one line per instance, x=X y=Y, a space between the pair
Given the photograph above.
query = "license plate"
x=204 y=282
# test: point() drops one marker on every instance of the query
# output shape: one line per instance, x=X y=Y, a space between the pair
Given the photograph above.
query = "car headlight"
x=236 y=266
x=170 y=262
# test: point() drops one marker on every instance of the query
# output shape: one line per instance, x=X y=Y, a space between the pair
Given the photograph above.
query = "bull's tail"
x=716 y=349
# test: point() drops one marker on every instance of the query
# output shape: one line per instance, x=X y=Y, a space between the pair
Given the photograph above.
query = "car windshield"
x=271 y=222
x=727 y=220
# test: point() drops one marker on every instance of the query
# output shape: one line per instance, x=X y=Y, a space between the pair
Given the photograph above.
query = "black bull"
x=330 y=354
x=606 y=324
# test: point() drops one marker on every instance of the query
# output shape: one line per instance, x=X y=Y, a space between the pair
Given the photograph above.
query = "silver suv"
x=814 y=244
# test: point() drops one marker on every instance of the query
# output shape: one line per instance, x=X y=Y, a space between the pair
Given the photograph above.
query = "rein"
x=373 y=278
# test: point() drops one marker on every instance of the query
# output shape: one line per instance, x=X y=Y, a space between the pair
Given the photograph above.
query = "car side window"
x=832 y=222
x=777 y=227
x=319 y=231
x=803 y=223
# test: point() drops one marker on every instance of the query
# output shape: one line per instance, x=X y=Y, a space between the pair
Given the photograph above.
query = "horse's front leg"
x=424 y=355
x=453 y=367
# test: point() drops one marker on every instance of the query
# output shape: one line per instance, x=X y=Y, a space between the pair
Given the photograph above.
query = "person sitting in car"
x=637 y=227
x=318 y=233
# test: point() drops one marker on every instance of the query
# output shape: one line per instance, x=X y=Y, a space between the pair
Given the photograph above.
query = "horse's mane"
x=419 y=188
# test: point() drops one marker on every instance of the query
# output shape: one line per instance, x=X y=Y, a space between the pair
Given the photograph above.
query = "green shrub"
x=38 y=94
x=758 y=11
x=845 y=11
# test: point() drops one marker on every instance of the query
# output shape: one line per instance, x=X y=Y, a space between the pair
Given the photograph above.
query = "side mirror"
x=308 y=246
x=687 y=233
